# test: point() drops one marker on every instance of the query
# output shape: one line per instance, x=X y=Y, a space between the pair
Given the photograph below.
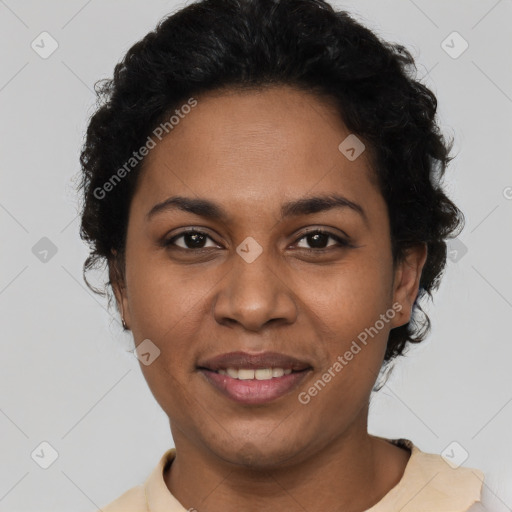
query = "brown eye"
x=318 y=239
x=192 y=239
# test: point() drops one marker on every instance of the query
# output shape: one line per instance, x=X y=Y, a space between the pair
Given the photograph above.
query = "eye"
x=192 y=239
x=318 y=239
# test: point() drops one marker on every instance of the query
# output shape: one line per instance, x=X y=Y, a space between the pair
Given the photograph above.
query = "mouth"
x=253 y=379
x=258 y=373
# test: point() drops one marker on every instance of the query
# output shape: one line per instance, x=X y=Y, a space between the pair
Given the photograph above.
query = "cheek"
x=169 y=386
x=164 y=308
x=347 y=309
x=349 y=299
x=162 y=298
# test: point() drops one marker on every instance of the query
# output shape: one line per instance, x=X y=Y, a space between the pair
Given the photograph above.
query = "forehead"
x=242 y=147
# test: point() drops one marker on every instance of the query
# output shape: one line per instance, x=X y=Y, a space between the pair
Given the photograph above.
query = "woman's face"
x=260 y=278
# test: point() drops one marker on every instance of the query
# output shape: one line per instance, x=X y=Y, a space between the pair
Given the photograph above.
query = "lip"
x=247 y=360
x=254 y=392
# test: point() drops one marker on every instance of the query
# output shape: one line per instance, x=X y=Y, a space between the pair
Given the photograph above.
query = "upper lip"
x=247 y=360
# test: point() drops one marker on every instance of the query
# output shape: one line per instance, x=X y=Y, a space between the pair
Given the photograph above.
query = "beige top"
x=427 y=484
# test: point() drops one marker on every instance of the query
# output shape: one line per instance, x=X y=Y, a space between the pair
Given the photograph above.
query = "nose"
x=254 y=295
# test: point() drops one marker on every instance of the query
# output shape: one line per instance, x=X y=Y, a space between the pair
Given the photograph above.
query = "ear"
x=117 y=281
x=406 y=282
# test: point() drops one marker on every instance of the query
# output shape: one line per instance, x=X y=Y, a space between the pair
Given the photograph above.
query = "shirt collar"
x=157 y=495
x=430 y=483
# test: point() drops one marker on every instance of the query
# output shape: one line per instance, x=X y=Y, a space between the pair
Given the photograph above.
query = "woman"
x=263 y=180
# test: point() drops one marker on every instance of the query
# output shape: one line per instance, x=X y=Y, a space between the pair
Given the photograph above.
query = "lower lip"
x=254 y=392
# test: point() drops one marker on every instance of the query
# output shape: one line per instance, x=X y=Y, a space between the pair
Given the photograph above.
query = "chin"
x=261 y=453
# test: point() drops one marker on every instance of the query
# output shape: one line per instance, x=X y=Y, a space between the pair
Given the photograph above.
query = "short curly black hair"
x=252 y=44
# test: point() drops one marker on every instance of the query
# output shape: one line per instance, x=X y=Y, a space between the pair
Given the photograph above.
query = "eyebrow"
x=211 y=210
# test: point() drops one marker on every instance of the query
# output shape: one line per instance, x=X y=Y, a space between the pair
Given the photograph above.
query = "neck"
x=353 y=472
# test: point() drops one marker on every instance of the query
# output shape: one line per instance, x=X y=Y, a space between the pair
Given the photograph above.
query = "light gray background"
x=66 y=374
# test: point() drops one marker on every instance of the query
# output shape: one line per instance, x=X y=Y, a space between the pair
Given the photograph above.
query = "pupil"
x=197 y=239
x=317 y=237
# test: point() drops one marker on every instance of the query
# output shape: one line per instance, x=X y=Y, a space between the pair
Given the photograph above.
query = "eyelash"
x=342 y=242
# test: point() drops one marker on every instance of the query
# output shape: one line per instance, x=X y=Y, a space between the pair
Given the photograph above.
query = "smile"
x=254 y=379
x=251 y=373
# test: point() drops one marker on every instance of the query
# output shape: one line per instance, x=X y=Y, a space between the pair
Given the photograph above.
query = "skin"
x=250 y=152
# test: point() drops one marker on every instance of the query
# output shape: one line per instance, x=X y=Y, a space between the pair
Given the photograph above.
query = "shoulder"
x=132 y=500
x=145 y=496
x=432 y=481
x=463 y=483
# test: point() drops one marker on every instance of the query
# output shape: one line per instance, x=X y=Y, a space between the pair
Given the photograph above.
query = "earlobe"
x=407 y=281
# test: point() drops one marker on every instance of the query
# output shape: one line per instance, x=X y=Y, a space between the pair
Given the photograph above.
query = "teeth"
x=251 y=374
x=232 y=372
x=277 y=372
x=245 y=374
x=262 y=374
